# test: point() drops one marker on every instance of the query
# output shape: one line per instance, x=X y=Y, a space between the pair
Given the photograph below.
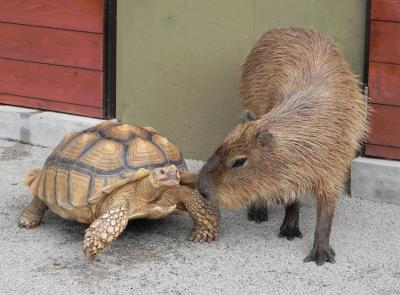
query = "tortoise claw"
x=27 y=223
x=206 y=228
x=201 y=236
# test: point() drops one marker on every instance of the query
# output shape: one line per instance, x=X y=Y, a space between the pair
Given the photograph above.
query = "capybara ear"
x=264 y=138
x=247 y=116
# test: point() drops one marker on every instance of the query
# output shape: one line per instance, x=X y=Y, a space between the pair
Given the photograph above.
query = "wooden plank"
x=58 y=83
x=51 y=105
x=385 y=42
x=388 y=10
x=61 y=47
x=384 y=83
x=80 y=15
x=385 y=125
x=382 y=151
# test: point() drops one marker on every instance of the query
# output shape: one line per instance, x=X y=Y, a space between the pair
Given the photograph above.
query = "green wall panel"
x=178 y=61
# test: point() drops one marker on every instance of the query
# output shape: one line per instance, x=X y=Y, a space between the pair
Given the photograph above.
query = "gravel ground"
x=152 y=257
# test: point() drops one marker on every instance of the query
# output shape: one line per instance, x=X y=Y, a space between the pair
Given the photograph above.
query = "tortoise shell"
x=84 y=163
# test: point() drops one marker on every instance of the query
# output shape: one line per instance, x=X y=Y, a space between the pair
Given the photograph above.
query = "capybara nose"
x=206 y=195
x=203 y=189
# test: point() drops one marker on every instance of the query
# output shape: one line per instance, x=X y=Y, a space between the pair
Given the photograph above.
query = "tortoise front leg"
x=105 y=229
x=205 y=216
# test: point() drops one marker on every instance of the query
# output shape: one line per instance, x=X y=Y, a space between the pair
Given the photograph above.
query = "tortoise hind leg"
x=105 y=229
x=32 y=214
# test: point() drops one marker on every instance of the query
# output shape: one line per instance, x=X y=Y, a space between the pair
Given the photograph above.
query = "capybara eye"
x=239 y=162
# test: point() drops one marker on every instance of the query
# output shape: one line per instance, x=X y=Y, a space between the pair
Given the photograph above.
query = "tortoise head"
x=165 y=177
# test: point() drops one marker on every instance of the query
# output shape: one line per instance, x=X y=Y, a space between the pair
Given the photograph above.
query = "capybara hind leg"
x=257 y=212
x=322 y=251
x=32 y=214
x=290 y=226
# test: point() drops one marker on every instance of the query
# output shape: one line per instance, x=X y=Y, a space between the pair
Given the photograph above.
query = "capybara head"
x=238 y=172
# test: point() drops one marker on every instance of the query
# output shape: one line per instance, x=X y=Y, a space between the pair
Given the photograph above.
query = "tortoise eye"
x=239 y=162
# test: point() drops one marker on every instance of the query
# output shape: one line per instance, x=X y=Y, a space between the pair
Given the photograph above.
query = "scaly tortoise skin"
x=111 y=173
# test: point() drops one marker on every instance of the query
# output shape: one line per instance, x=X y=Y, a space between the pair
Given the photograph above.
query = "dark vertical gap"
x=367 y=41
x=110 y=54
x=366 y=51
x=367 y=29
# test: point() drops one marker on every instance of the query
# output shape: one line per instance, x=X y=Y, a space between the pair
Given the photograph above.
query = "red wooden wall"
x=384 y=79
x=51 y=55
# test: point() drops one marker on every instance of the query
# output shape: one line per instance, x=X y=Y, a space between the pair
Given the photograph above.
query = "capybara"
x=306 y=121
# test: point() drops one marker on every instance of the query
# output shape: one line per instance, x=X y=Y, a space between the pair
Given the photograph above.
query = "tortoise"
x=111 y=173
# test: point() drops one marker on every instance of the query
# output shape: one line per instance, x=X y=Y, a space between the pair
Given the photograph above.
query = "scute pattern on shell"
x=85 y=162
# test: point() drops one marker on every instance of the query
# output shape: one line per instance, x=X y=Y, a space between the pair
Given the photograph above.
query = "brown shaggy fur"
x=310 y=118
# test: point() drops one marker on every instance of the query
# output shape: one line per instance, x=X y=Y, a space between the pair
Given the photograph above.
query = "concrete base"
x=39 y=127
x=376 y=179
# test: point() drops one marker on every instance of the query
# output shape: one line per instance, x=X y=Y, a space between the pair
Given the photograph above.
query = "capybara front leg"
x=257 y=212
x=104 y=230
x=290 y=226
x=32 y=214
x=322 y=251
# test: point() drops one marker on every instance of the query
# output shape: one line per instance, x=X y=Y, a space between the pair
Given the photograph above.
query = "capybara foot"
x=320 y=254
x=290 y=232
x=290 y=225
x=205 y=235
x=104 y=230
x=257 y=213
